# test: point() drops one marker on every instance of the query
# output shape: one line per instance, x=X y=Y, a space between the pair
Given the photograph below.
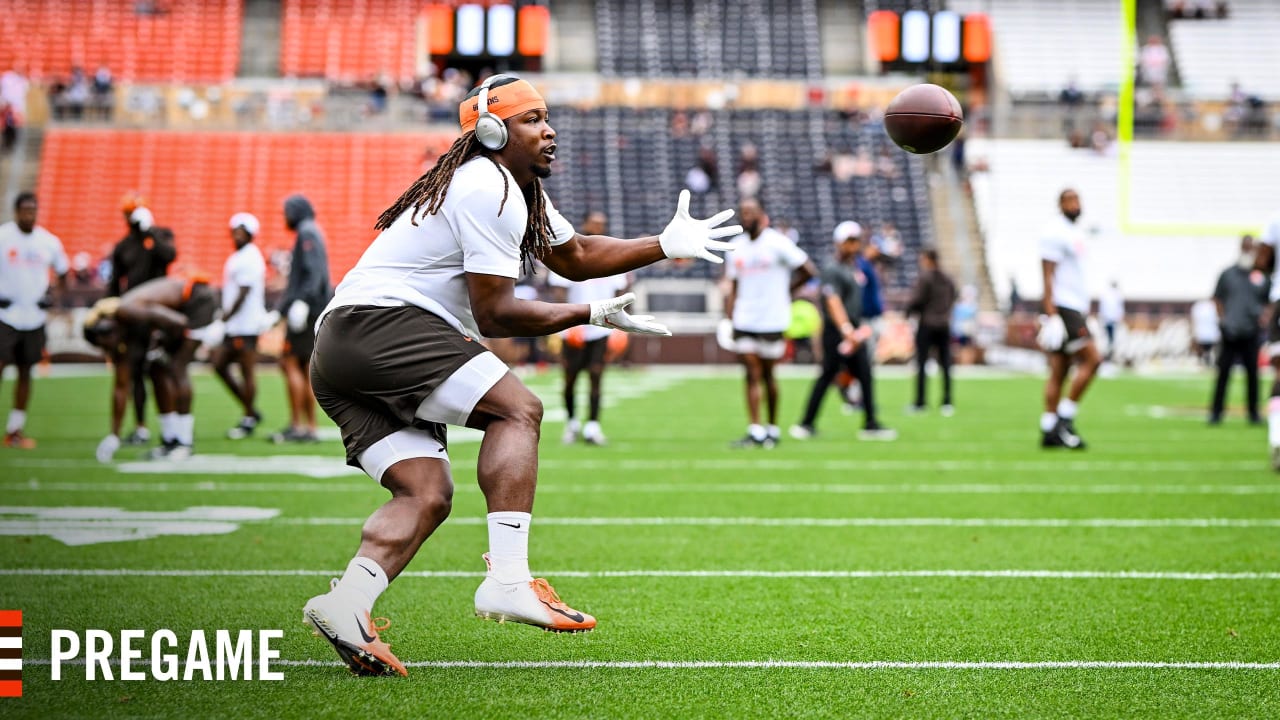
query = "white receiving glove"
x=1053 y=333
x=108 y=447
x=686 y=237
x=211 y=335
x=724 y=335
x=270 y=320
x=609 y=313
x=297 y=316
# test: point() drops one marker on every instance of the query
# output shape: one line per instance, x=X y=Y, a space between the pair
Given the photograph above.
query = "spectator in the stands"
x=1153 y=63
x=103 y=93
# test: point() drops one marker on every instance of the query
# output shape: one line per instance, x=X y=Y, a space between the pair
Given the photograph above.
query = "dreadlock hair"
x=429 y=191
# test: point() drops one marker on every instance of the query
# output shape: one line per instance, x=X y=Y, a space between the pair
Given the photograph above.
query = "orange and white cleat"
x=352 y=633
x=533 y=603
x=17 y=440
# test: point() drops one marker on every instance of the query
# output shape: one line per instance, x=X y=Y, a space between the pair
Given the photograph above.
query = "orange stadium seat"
x=195 y=181
x=183 y=41
x=331 y=39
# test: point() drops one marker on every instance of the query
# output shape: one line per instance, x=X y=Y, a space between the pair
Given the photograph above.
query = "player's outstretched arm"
x=590 y=256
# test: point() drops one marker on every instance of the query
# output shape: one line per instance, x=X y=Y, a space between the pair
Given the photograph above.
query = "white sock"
x=186 y=429
x=774 y=431
x=365 y=579
x=1273 y=421
x=757 y=432
x=169 y=426
x=1048 y=421
x=1066 y=409
x=509 y=547
x=17 y=421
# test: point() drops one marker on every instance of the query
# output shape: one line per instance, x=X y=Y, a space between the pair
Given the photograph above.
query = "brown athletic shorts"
x=1078 y=334
x=21 y=347
x=373 y=366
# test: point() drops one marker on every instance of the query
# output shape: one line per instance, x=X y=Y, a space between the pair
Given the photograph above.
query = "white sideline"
x=855 y=522
x=786 y=664
x=712 y=574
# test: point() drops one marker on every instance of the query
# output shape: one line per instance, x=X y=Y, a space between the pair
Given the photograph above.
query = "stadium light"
x=502 y=30
x=469 y=21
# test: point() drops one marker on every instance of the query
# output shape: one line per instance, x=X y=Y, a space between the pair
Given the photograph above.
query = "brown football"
x=923 y=119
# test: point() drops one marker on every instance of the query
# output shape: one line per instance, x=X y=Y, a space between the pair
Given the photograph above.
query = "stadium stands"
x=333 y=39
x=178 y=40
x=1181 y=233
x=1213 y=54
x=631 y=164
x=1040 y=46
x=670 y=38
x=195 y=181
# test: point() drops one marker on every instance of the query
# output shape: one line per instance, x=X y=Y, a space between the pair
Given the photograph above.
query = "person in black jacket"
x=143 y=254
x=307 y=293
x=932 y=299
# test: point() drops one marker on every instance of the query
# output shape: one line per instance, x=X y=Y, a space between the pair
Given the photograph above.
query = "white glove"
x=686 y=237
x=724 y=335
x=297 y=316
x=1053 y=333
x=270 y=320
x=609 y=313
x=108 y=447
x=211 y=335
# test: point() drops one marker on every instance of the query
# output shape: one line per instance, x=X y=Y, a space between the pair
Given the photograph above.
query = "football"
x=923 y=119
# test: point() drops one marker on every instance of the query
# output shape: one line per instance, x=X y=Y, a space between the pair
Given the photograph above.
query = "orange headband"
x=505 y=101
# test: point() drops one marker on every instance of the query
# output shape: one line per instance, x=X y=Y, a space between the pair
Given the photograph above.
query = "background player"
x=1063 y=333
x=243 y=311
x=27 y=253
x=763 y=268
x=585 y=346
x=305 y=296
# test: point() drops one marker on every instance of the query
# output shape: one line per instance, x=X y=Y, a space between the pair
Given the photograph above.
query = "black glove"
x=5 y=302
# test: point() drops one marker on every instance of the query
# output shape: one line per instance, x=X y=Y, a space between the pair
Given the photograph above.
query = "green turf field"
x=958 y=572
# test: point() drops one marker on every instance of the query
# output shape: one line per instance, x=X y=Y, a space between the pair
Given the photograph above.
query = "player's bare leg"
x=756 y=434
x=1273 y=412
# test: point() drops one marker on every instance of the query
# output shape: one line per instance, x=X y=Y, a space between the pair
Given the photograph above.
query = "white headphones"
x=490 y=130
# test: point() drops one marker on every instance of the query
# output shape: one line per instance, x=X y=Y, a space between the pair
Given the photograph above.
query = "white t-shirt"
x=1111 y=306
x=1063 y=243
x=25 y=261
x=1204 y=322
x=245 y=268
x=1271 y=236
x=588 y=291
x=424 y=264
x=762 y=268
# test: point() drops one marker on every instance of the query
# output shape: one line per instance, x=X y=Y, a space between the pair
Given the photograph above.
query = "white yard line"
x=553 y=485
x=783 y=664
x=693 y=574
x=855 y=522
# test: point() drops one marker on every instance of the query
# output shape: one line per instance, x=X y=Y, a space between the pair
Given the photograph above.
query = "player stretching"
x=397 y=357
x=1063 y=333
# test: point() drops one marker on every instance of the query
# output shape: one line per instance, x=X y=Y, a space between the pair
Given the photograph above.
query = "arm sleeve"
x=1220 y=290
x=163 y=253
x=490 y=241
x=1051 y=247
x=113 y=285
x=562 y=230
x=791 y=254
x=60 y=263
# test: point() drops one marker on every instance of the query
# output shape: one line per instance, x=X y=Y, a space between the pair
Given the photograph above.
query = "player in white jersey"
x=27 y=253
x=585 y=347
x=244 y=313
x=397 y=357
x=1063 y=333
x=764 y=267
x=1266 y=262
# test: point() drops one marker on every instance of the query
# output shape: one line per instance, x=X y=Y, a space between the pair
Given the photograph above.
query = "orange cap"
x=505 y=101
